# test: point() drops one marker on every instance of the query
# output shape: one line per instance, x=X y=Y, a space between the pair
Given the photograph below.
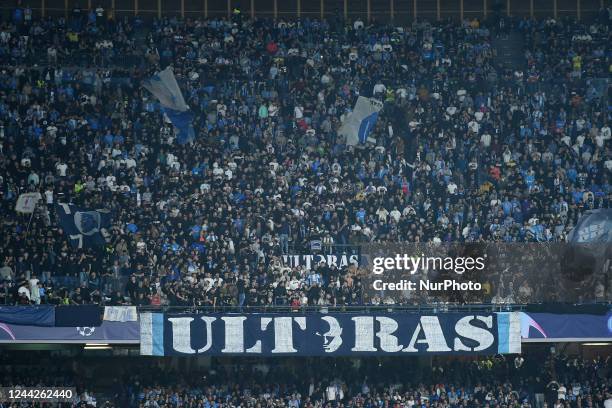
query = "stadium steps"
x=510 y=51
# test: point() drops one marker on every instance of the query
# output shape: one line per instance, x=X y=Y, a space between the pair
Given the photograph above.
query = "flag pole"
x=35 y=207
x=29 y=222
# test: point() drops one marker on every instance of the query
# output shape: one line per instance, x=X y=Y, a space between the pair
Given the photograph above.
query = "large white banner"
x=329 y=334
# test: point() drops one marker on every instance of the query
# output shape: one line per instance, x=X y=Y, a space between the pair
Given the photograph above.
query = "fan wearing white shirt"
x=562 y=392
x=61 y=168
x=602 y=137
x=379 y=88
x=485 y=140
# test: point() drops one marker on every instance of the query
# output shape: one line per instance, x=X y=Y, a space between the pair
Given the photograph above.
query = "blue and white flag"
x=593 y=226
x=84 y=228
x=360 y=122
x=164 y=87
x=333 y=334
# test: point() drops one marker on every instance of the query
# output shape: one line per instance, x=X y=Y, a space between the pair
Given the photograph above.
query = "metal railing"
x=392 y=10
x=432 y=308
x=416 y=309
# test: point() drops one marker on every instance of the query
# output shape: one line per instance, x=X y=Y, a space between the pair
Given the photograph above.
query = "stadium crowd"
x=489 y=382
x=18 y=371
x=528 y=381
x=466 y=149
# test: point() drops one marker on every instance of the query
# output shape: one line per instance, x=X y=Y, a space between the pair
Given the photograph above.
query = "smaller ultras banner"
x=342 y=334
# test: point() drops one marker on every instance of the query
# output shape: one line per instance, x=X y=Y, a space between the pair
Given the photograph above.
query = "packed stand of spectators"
x=534 y=380
x=39 y=369
x=466 y=149
x=494 y=382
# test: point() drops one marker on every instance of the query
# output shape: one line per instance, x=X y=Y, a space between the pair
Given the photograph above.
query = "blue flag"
x=361 y=121
x=593 y=226
x=164 y=87
x=85 y=228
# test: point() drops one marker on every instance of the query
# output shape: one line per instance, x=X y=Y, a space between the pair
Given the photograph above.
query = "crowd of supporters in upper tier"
x=469 y=147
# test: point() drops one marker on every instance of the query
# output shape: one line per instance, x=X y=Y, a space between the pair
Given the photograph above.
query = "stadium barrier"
x=398 y=11
x=93 y=315
x=122 y=325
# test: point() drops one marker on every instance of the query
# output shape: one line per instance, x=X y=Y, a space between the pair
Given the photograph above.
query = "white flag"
x=26 y=203
x=120 y=313
x=165 y=88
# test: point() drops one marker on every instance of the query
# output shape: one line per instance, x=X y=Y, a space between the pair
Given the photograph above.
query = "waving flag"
x=164 y=87
x=360 y=122
x=26 y=203
x=593 y=226
x=585 y=260
x=84 y=228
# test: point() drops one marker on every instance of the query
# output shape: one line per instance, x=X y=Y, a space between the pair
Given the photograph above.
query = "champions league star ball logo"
x=86 y=331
